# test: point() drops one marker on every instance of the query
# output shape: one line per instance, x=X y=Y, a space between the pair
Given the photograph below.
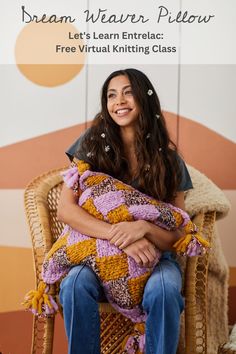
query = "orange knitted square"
x=112 y=267
x=119 y=214
x=122 y=186
x=93 y=180
x=90 y=207
x=78 y=251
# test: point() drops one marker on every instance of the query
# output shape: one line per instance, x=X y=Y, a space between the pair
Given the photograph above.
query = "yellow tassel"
x=202 y=240
x=81 y=165
x=39 y=302
x=182 y=243
x=34 y=298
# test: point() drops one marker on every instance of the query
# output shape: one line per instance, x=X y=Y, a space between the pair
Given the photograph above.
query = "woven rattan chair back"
x=41 y=201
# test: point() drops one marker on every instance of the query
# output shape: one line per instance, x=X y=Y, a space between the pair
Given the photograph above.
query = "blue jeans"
x=81 y=291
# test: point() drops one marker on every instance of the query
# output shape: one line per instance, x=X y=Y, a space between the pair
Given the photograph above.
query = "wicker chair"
x=41 y=199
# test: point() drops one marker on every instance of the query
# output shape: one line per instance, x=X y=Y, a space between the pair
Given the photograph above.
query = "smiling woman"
x=121 y=104
x=129 y=141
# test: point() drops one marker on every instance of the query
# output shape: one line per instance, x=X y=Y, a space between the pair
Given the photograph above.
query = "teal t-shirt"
x=74 y=150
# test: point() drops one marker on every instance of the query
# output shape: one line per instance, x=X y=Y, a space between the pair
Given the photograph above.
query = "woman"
x=128 y=140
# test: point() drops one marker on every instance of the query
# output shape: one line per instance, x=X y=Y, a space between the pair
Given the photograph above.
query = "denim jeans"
x=81 y=291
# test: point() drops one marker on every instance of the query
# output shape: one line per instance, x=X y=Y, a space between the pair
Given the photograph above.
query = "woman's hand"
x=143 y=252
x=125 y=233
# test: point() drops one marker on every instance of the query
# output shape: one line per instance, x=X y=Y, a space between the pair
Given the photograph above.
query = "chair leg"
x=42 y=335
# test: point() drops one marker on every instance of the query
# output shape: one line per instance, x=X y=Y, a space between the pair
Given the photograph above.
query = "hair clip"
x=148 y=136
x=150 y=92
x=107 y=148
x=103 y=135
x=157 y=116
x=89 y=154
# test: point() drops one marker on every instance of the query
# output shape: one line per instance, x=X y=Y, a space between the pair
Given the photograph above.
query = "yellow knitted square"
x=77 y=252
x=122 y=186
x=81 y=165
x=119 y=214
x=136 y=287
x=90 y=207
x=112 y=267
x=154 y=202
x=93 y=180
x=178 y=218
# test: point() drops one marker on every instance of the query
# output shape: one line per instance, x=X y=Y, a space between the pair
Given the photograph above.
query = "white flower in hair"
x=103 y=135
x=157 y=116
x=107 y=148
x=150 y=92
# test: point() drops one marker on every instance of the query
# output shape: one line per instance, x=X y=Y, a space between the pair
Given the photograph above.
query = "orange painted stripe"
x=208 y=151
x=17 y=277
x=16 y=333
x=232 y=276
x=23 y=161
x=232 y=305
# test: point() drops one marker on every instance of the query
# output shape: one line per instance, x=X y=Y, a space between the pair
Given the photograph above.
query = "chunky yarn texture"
x=113 y=201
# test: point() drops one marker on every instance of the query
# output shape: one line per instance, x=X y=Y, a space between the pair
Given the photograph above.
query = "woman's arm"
x=79 y=219
x=125 y=233
x=69 y=212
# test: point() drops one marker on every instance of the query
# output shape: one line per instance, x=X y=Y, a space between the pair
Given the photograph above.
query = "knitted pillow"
x=113 y=201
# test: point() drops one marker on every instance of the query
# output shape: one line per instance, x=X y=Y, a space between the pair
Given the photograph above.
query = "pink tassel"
x=70 y=176
x=142 y=343
x=53 y=303
x=195 y=248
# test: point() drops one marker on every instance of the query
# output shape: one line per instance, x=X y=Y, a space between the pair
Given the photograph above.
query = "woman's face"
x=121 y=104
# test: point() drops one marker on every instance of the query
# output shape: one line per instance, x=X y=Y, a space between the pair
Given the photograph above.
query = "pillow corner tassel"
x=39 y=302
x=134 y=343
x=192 y=243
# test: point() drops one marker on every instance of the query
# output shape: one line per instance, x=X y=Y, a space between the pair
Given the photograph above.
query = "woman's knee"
x=167 y=298
x=163 y=290
x=82 y=280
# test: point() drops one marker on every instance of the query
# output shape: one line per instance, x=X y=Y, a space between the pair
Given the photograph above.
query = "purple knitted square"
x=109 y=201
x=104 y=248
x=55 y=268
x=134 y=270
x=84 y=196
x=147 y=212
x=75 y=237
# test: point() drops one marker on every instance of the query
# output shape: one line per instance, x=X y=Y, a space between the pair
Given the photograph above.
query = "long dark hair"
x=159 y=173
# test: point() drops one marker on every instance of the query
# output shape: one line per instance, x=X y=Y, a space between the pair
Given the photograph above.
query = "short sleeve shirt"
x=74 y=150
